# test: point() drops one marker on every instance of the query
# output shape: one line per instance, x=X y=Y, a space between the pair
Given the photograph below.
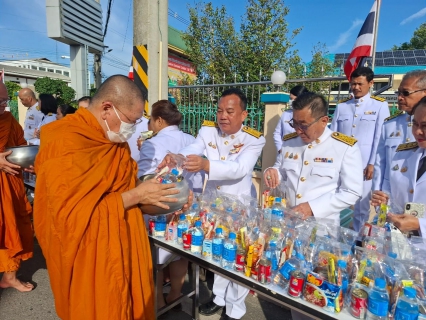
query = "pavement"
x=39 y=303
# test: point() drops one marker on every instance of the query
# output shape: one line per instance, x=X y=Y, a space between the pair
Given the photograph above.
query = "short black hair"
x=298 y=90
x=315 y=102
x=48 y=103
x=66 y=109
x=239 y=93
x=85 y=98
x=363 y=72
x=168 y=111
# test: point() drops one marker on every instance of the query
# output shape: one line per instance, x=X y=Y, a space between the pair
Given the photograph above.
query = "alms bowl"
x=23 y=156
x=182 y=197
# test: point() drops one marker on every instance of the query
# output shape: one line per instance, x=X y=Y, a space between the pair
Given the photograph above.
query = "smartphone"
x=415 y=209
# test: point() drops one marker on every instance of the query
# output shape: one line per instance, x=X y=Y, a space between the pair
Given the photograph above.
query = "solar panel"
x=411 y=61
x=390 y=58
x=400 y=62
x=397 y=54
x=421 y=60
x=379 y=55
x=339 y=56
x=419 y=53
x=379 y=62
x=408 y=53
x=387 y=54
x=389 y=62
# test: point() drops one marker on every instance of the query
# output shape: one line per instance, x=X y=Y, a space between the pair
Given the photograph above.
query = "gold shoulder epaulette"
x=407 y=146
x=208 y=123
x=252 y=132
x=378 y=98
x=344 y=100
x=344 y=138
x=146 y=116
x=397 y=114
x=289 y=136
x=38 y=108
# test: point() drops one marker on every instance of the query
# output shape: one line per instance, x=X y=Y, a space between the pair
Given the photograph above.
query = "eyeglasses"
x=132 y=122
x=406 y=93
x=3 y=102
x=302 y=127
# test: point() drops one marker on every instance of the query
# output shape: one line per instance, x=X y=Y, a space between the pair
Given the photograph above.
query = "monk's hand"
x=404 y=222
x=154 y=193
x=188 y=204
x=304 y=209
x=30 y=169
x=196 y=163
x=378 y=197
x=271 y=178
x=368 y=172
x=6 y=166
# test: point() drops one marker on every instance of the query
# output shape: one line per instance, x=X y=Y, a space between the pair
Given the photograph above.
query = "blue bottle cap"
x=219 y=230
x=341 y=264
x=272 y=244
x=229 y=209
x=380 y=283
x=410 y=292
x=213 y=205
x=278 y=199
x=300 y=256
x=198 y=223
x=175 y=171
x=195 y=206
x=345 y=253
x=393 y=255
x=369 y=263
x=232 y=235
x=182 y=217
x=297 y=243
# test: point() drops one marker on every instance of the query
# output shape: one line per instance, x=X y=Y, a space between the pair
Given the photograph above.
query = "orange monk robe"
x=16 y=232
x=98 y=254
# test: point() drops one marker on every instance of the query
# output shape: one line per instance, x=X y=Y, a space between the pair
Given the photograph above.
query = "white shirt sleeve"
x=383 y=114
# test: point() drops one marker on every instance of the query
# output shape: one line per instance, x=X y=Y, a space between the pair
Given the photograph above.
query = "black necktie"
x=422 y=168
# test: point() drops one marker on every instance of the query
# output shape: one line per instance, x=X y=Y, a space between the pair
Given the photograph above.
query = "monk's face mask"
x=124 y=133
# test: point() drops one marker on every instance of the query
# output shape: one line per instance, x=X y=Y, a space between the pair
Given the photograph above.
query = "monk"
x=16 y=233
x=86 y=217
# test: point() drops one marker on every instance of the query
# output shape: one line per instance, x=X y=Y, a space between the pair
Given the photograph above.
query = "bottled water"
x=277 y=212
x=182 y=226
x=282 y=278
x=267 y=214
x=194 y=212
x=407 y=307
x=368 y=277
x=229 y=252
x=342 y=275
x=160 y=226
x=197 y=237
x=218 y=245
x=378 y=301
x=271 y=255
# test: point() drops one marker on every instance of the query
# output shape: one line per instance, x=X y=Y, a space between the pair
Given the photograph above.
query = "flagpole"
x=376 y=26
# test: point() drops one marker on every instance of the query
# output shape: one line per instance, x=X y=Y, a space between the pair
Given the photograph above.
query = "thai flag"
x=363 y=44
x=131 y=71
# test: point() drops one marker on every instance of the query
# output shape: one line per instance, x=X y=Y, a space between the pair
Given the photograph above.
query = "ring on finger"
x=268 y=177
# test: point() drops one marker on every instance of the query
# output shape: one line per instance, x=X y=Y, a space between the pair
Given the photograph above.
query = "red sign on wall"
x=181 y=65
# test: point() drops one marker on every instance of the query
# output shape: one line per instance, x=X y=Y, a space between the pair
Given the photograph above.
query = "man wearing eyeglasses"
x=362 y=117
x=397 y=128
x=34 y=116
x=322 y=169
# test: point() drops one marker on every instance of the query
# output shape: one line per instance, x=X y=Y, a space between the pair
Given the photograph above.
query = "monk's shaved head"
x=119 y=90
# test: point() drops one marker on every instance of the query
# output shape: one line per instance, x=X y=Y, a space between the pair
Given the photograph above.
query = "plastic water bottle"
x=160 y=226
x=407 y=307
x=271 y=255
x=229 y=252
x=267 y=214
x=182 y=226
x=218 y=245
x=194 y=212
x=197 y=237
x=283 y=276
x=378 y=301
x=277 y=212
x=342 y=275
x=368 y=277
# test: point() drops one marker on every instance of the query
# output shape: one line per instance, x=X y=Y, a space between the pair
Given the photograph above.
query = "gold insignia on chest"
x=295 y=157
x=290 y=156
x=398 y=133
x=212 y=145
x=370 y=112
x=324 y=160
x=404 y=169
x=286 y=155
x=392 y=134
x=396 y=167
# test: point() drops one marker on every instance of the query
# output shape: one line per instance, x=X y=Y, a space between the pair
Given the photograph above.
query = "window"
x=50 y=70
x=66 y=73
x=42 y=68
x=58 y=71
x=33 y=67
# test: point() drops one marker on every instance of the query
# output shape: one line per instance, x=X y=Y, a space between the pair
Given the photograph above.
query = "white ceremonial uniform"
x=133 y=141
x=283 y=128
x=232 y=159
x=32 y=121
x=326 y=173
x=362 y=119
x=400 y=181
x=395 y=131
x=50 y=117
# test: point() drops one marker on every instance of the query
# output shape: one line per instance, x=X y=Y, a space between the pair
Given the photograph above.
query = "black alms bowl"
x=23 y=156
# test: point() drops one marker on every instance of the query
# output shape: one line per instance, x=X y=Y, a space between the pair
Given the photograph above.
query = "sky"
x=335 y=23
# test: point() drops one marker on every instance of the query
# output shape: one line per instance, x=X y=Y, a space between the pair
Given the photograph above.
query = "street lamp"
x=278 y=78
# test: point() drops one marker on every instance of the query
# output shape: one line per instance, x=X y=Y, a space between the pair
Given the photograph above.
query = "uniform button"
x=222 y=158
x=354 y=125
x=411 y=191
x=310 y=146
x=232 y=136
x=302 y=179
x=408 y=139
x=226 y=143
x=218 y=188
x=298 y=196
x=356 y=116
x=353 y=136
x=306 y=162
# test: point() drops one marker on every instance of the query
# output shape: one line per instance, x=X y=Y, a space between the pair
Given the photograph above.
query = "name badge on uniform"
x=324 y=160
x=31 y=117
x=370 y=112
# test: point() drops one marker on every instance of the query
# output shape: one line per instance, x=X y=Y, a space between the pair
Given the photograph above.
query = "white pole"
x=376 y=26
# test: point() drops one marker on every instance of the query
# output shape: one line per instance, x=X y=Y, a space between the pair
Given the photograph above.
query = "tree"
x=418 y=41
x=58 y=88
x=12 y=89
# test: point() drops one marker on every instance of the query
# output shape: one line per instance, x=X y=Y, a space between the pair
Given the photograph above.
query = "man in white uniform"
x=397 y=128
x=322 y=169
x=231 y=150
x=362 y=117
x=33 y=116
x=133 y=141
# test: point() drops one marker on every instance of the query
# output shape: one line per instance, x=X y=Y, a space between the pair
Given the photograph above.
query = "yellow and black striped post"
x=140 y=70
